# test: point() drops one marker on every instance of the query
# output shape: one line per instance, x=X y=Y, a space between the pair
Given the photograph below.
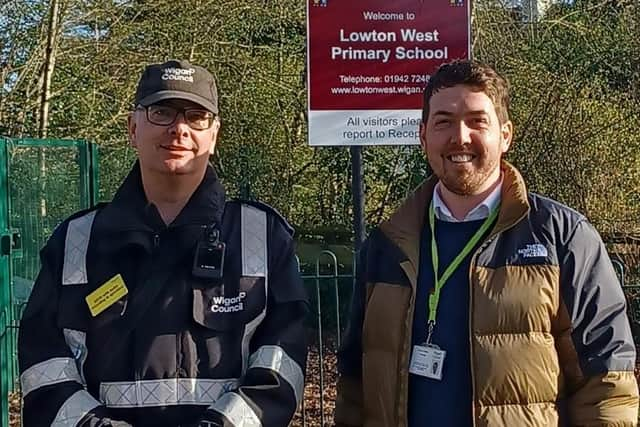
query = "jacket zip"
x=408 y=332
x=156 y=245
x=471 y=353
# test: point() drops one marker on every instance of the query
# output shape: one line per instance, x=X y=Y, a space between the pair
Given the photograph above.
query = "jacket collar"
x=131 y=211
x=404 y=227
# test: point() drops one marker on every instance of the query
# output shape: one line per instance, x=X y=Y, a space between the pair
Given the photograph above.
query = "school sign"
x=368 y=63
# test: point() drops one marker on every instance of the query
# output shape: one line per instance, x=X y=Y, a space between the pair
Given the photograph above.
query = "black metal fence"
x=329 y=283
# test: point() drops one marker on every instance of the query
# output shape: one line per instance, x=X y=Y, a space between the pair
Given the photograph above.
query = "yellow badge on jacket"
x=106 y=295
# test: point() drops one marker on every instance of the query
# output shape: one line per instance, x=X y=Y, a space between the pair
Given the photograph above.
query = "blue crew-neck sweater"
x=448 y=402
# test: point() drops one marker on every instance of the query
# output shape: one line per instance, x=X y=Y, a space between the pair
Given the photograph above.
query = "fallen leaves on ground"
x=14 y=409
x=312 y=401
x=313 y=405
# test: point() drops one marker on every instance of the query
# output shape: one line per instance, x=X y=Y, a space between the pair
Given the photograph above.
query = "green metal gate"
x=41 y=183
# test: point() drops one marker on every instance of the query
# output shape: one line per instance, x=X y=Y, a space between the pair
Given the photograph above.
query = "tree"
x=575 y=77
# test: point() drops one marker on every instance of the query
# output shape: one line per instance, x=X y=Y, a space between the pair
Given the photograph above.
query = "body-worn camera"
x=208 y=261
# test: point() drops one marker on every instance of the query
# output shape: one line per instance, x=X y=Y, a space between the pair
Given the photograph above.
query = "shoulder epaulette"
x=79 y=214
x=86 y=211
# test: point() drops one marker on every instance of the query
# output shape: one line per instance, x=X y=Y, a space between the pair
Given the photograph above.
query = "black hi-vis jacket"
x=177 y=348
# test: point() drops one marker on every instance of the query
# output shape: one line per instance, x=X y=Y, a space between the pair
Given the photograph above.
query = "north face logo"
x=535 y=250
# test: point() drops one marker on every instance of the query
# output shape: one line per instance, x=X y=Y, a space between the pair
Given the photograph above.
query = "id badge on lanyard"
x=427 y=359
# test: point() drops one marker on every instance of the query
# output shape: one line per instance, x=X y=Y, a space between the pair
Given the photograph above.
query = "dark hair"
x=474 y=74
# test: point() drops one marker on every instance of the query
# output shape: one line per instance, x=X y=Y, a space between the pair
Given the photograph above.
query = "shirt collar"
x=481 y=211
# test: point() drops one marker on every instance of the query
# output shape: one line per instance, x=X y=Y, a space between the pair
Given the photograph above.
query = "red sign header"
x=378 y=54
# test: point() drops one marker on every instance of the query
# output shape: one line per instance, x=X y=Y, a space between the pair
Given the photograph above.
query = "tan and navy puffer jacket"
x=550 y=340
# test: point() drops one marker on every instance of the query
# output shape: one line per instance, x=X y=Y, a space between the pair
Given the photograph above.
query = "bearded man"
x=478 y=303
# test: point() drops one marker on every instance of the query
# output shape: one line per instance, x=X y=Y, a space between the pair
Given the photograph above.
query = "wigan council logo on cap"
x=184 y=74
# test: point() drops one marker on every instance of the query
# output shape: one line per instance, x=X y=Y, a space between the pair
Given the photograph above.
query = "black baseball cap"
x=177 y=80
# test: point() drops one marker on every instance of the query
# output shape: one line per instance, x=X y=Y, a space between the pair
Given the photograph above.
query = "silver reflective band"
x=74 y=408
x=74 y=270
x=274 y=358
x=254 y=241
x=249 y=330
x=77 y=343
x=237 y=411
x=53 y=371
x=164 y=392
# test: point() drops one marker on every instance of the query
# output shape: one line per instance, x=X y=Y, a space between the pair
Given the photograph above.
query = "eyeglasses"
x=164 y=115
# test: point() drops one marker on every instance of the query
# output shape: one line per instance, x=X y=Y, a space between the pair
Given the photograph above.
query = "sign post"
x=368 y=62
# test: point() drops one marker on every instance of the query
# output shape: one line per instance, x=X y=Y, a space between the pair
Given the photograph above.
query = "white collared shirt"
x=481 y=211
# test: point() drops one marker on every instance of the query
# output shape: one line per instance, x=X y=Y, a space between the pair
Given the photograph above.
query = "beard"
x=468 y=181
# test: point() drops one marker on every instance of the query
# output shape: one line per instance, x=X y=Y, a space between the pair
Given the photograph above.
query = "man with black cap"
x=169 y=306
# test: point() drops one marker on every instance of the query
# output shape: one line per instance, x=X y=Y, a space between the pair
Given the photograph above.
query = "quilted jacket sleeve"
x=603 y=388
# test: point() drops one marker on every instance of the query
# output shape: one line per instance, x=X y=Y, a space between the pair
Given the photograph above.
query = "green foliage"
x=576 y=94
x=37 y=205
x=575 y=103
